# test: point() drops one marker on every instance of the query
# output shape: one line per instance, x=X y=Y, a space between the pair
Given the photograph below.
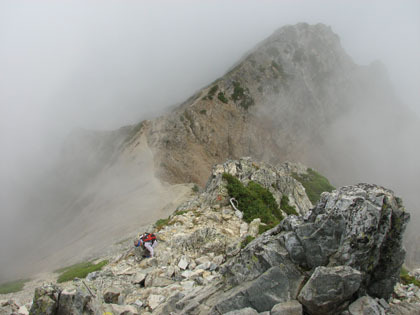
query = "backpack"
x=148 y=237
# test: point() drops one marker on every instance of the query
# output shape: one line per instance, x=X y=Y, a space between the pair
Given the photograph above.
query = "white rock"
x=202 y=260
x=188 y=285
x=186 y=274
x=23 y=310
x=138 y=303
x=204 y=266
x=243 y=229
x=155 y=300
x=218 y=260
x=138 y=278
x=192 y=265
x=170 y=271
x=183 y=262
x=254 y=227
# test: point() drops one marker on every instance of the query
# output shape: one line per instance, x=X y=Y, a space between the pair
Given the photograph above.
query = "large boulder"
x=45 y=300
x=329 y=289
x=359 y=226
x=74 y=302
x=366 y=305
x=278 y=284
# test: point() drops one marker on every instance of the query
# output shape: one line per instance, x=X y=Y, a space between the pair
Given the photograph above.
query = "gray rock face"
x=329 y=288
x=278 y=284
x=292 y=307
x=45 y=300
x=365 y=305
x=359 y=226
x=74 y=302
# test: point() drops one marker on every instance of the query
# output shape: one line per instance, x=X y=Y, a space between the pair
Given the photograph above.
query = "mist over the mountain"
x=103 y=65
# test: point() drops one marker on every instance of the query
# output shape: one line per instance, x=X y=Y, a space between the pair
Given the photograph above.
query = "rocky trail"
x=341 y=256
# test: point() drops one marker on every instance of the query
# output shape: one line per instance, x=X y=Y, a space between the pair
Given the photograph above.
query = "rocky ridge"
x=341 y=256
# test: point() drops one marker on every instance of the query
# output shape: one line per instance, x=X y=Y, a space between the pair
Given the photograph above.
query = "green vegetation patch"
x=238 y=91
x=264 y=227
x=12 y=286
x=315 y=184
x=246 y=241
x=80 y=270
x=222 y=98
x=212 y=91
x=239 y=94
x=284 y=205
x=159 y=224
x=407 y=279
x=254 y=201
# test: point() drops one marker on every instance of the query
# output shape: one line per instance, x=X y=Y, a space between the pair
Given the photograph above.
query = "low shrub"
x=247 y=240
x=159 y=224
x=254 y=201
x=284 y=205
x=212 y=92
x=222 y=98
x=238 y=91
x=315 y=184
x=407 y=279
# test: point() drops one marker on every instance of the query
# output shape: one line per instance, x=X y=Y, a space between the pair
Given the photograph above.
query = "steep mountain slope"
x=279 y=102
x=296 y=96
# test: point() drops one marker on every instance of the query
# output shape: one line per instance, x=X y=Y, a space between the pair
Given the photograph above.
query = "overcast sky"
x=103 y=64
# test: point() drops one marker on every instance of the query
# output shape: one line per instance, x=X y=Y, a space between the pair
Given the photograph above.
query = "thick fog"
x=105 y=64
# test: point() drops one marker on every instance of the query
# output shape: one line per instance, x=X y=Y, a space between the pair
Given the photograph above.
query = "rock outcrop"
x=343 y=255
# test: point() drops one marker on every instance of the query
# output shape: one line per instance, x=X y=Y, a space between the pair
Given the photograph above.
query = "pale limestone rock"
x=184 y=262
x=243 y=229
x=155 y=300
x=138 y=278
x=253 y=229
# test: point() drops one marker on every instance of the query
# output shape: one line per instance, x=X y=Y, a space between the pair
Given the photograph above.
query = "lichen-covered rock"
x=45 y=300
x=329 y=288
x=74 y=302
x=359 y=226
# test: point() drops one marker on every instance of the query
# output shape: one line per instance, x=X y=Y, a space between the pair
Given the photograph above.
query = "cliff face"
x=278 y=103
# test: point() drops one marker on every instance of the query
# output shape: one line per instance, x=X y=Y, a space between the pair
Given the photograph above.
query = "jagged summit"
x=276 y=104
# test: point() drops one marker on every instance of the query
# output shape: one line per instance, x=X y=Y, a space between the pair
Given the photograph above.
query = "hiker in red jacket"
x=148 y=241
